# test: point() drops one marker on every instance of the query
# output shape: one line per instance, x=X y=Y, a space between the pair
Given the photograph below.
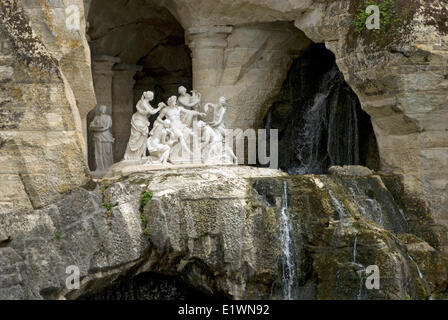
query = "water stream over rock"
x=288 y=264
x=319 y=118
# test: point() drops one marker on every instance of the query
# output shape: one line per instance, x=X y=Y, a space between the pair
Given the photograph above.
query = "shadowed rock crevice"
x=319 y=118
x=149 y=286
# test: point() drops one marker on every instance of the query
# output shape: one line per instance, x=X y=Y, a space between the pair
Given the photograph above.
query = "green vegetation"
x=107 y=201
x=58 y=235
x=146 y=196
x=356 y=225
x=143 y=219
x=387 y=10
x=144 y=199
x=108 y=207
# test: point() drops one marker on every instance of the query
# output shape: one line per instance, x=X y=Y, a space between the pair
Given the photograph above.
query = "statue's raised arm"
x=136 y=148
x=189 y=101
x=144 y=106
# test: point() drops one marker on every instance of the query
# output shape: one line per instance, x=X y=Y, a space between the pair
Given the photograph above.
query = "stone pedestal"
x=122 y=105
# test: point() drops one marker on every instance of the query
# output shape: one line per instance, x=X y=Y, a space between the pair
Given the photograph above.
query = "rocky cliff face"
x=398 y=73
x=43 y=91
x=220 y=231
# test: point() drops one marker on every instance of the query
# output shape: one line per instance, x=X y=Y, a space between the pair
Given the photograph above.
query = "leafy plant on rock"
x=144 y=199
x=387 y=10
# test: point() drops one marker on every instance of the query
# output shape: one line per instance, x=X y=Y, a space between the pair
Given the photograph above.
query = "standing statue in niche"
x=137 y=144
x=103 y=139
x=190 y=102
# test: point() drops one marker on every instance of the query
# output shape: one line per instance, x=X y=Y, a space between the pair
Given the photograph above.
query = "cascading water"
x=355 y=245
x=288 y=264
x=420 y=275
x=319 y=118
x=360 y=295
x=337 y=204
x=377 y=206
x=330 y=133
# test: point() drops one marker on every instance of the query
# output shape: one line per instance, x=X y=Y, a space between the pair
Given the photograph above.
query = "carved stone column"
x=207 y=44
x=122 y=105
x=246 y=64
x=102 y=81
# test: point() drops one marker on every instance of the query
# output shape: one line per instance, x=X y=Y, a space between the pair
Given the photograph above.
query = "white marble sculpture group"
x=178 y=136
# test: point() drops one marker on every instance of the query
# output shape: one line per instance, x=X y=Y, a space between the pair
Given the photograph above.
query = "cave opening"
x=136 y=46
x=319 y=118
x=149 y=286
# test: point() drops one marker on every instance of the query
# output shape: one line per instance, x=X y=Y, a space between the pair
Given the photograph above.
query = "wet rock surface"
x=218 y=230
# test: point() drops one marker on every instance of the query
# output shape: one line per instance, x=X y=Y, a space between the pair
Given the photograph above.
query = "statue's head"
x=182 y=90
x=102 y=109
x=148 y=95
x=222 y=101
x=172 y=101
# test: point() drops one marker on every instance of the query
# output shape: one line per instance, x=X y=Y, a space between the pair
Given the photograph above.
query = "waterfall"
x=355 y=248
x=328 y=134
x=362 y=271
x=420 y=275
x=339 y=207
x=381 y=209
x=288 y=265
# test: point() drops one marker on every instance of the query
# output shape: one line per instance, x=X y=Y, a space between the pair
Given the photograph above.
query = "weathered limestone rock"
x=399 y=74
x=218 y=229
x=400 y=82
x=42 y=151
x=246 y=64
x=359 y=171
x=47 y=90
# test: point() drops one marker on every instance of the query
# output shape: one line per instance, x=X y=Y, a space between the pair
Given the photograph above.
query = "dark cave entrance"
x=136 y=46
x=149 y=286
x=319 y=118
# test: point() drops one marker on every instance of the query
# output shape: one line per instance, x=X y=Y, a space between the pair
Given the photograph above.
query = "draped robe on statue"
x=136 y=148
x=103 y=140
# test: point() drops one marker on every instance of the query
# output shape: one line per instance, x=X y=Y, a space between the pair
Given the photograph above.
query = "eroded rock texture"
x=242 y=49
x=219 y=231
x=42 y=89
